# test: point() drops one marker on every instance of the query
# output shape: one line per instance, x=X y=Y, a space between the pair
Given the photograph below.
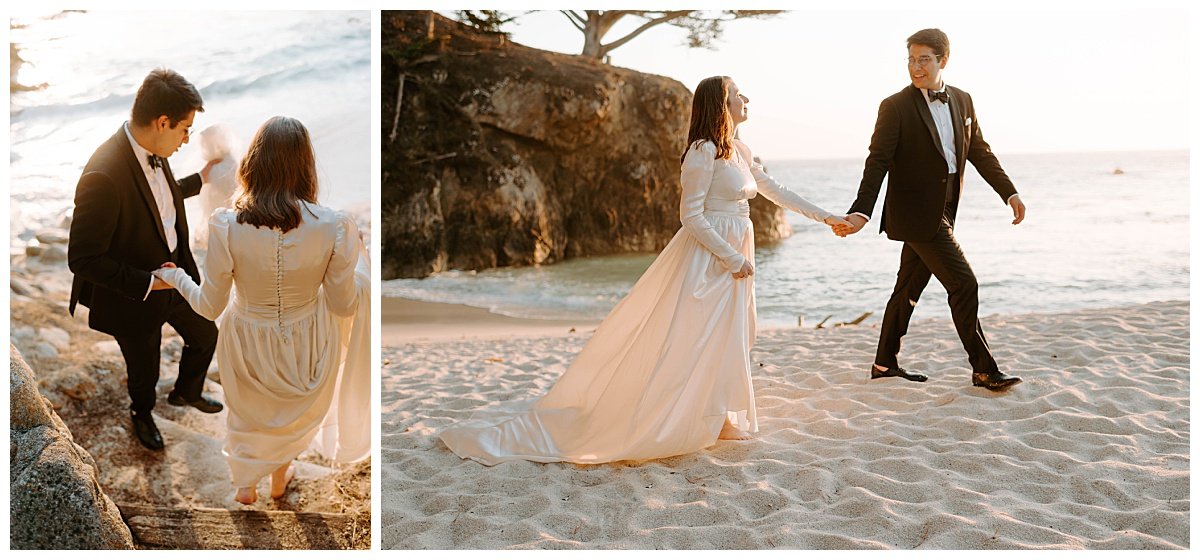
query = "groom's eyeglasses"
x=922 y=61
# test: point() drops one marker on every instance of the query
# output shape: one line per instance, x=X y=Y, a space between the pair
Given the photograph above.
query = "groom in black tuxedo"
x=129 y=219
x=924 y=135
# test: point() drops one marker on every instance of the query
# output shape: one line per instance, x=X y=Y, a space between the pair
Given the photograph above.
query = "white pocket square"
x=968 y=121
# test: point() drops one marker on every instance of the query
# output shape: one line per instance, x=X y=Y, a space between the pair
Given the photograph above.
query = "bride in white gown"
x=294 y=342
x=668 y=371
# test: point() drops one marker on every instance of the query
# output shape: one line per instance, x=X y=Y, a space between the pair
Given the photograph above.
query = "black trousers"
x=941 y=257
x=142 y=354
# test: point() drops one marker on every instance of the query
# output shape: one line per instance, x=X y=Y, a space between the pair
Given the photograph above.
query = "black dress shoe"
x=146 y=431
x=876 y=373
x=203 y=404
x=995 y=381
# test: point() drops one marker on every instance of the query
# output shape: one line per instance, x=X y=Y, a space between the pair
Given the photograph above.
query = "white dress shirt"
x=163 y=199
x=945 y=128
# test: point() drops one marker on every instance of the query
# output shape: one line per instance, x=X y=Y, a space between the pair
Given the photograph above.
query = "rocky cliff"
x=56 y=499
x=496 y=154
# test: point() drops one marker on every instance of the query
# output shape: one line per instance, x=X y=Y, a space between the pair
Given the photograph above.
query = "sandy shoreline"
x=1090 y=452
x=407 y=320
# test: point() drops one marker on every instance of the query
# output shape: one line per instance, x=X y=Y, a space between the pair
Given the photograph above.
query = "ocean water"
x=248 y=66
x=1091 y=238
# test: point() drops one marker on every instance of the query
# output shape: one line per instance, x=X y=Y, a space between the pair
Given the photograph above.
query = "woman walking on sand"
x=668 y=371
x=294 y=344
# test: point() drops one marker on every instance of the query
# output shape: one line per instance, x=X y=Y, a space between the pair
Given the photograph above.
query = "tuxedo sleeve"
x=979 y=153
x=775 y=191
x=190 y=185
x=696 y=178
x=212 y=294
x=94 y=222
x=879 y=159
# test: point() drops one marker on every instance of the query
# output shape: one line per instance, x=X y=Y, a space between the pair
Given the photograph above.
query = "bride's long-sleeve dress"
x=294 y=342
x=671 y=361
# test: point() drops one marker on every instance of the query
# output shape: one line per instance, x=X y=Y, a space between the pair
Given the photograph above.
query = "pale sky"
x=1044 y=79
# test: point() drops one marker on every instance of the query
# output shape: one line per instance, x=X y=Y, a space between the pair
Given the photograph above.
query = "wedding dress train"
x=671 y=362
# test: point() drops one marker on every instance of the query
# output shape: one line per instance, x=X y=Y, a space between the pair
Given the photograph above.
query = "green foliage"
x=488 y=21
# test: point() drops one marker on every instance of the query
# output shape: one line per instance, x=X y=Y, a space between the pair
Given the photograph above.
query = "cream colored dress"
x=672 y=360
x=294 y=342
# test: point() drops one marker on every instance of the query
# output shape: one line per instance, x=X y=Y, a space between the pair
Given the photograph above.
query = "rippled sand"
x=1091 y=451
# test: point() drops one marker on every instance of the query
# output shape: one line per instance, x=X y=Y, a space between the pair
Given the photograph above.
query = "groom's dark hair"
x=165 y=92
x=932 y=38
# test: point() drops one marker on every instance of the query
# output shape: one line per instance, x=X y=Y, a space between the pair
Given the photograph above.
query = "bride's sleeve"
x=209 y=298
x=346 y=270
x=696 y=178
x=779 y=194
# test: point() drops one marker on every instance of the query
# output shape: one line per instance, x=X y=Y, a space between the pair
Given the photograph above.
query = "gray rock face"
x=509 y=156
x=55 y=498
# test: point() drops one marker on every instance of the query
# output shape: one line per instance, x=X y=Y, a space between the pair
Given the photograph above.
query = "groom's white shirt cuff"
x=149 y=288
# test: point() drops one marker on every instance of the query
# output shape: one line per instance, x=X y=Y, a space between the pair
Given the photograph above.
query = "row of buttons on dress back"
x=279 y=284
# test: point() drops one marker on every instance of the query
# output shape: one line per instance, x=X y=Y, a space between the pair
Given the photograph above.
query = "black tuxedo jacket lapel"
x=926 y=116
x=956 y=117
x=143 y=187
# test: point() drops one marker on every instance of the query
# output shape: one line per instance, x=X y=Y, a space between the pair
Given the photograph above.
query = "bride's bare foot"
x=280 y=479
x=247 y=496
x=728 y=431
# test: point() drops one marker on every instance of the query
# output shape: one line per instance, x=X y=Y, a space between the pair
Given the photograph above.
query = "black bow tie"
x=939 y=95
x=155 y=161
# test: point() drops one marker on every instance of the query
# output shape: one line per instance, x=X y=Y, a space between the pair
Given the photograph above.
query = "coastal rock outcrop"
x=55 y=497
x=496 y=154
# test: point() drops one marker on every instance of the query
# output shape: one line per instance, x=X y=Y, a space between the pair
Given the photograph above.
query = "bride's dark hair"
x=710 y=117
x=278 y=172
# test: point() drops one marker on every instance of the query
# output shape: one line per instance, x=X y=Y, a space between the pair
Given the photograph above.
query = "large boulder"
x=502 y=155
x=55 y=497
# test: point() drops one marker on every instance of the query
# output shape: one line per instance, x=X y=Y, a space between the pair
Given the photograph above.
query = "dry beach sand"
x=1091 y=451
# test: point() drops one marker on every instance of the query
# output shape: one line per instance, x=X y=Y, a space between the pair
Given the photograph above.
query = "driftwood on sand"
x=221 y=529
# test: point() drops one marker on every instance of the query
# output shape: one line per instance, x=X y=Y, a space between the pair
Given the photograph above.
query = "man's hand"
x=1018 y=208
x=208 y=169
x=839 y=225
x=856 y=223
x=158 y=283
x=746 y=270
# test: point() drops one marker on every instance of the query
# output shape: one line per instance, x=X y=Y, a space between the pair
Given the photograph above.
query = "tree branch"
x=396 y=119
x=662 y=19
x=574 y=18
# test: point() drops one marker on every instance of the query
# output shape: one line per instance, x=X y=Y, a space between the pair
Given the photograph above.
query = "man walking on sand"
x=924 y=135
x=129 y=219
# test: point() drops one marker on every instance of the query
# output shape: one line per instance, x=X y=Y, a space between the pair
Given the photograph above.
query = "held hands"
x=158 y=282
x=847 y=225
x=746 y=270
x=839 y=225
x=1018 y=208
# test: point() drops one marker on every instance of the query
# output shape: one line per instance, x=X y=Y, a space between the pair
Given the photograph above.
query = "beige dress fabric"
x=672 y=360
x=294 y=343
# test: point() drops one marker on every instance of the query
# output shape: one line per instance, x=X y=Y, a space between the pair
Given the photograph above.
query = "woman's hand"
x=840 y=226
x=746 y=270
x=159 y=283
